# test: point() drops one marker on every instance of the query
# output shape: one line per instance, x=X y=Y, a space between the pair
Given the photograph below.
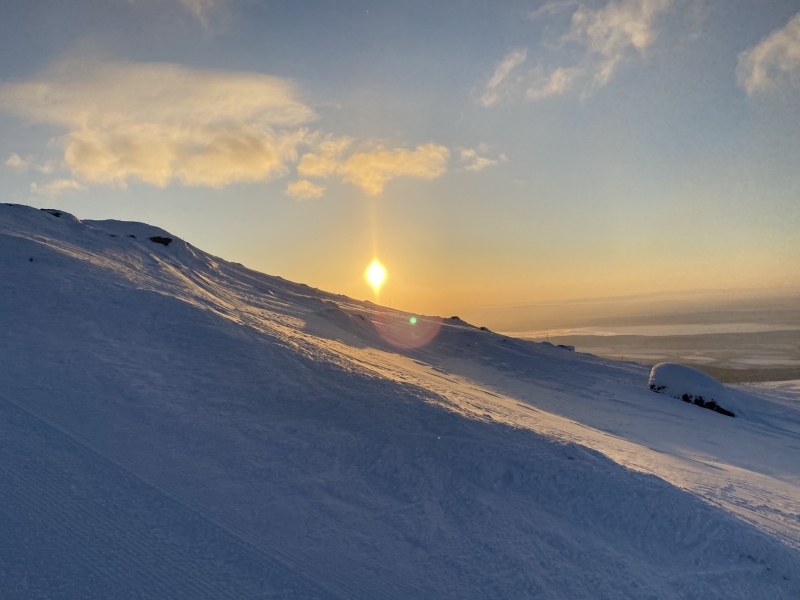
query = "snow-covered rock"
x=692 y=386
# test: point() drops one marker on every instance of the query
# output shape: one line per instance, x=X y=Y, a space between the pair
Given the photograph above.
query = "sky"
x=488 y=154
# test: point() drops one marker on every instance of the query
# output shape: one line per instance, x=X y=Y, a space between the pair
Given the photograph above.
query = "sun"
x=376 y=275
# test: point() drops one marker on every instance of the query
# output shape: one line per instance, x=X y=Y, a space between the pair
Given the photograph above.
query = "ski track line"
x=343 y=587
x=40 y=493
x=41 y=486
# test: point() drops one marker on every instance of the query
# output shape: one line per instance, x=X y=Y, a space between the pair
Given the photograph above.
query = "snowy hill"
x=176 y=426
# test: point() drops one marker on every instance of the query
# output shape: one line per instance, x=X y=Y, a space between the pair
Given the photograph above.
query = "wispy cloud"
x=609 y=36
x=159 y=122
x=476 y=159
x=613 y=32
x=56 y=187
x=542 y=84
x=304 y=189
x=774 y=57
x=550 y=9
x=371 y=170
x=47 y=166
x=17 y=163
x=202 y=9
x=498 y=85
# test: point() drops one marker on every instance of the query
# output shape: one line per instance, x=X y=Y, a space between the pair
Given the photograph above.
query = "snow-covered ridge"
x=175 y=425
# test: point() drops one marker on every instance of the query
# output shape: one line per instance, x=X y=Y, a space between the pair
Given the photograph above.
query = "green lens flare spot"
x=412 y=320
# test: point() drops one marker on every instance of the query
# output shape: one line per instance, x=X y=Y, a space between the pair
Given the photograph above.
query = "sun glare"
x=376 y=275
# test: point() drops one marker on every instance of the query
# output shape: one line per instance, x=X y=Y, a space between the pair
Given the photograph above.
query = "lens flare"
x=406 y=332
x=376 y=275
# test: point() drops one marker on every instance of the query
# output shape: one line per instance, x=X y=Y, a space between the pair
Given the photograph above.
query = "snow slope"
x=176 y=426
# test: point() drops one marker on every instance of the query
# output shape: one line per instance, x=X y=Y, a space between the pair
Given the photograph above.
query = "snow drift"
x=176 y=426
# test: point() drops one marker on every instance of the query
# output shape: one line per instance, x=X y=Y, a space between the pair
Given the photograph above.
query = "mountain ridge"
x=263 y=438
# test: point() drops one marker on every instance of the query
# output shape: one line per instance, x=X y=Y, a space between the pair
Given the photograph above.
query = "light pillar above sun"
x=375 y=275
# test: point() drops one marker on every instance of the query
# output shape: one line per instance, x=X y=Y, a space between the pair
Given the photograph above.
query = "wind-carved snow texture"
x=692 y=386
x=176 y=426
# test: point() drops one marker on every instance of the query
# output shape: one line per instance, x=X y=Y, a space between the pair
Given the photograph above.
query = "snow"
x=792 y=388
x=176 y=426
x=690 y=385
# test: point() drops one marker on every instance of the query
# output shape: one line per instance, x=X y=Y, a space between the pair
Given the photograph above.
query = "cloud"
x=202 y=9
x=327 y=160
x=542 y=85
x=481 y=162
x=373 y=169
x=17 y=163
x=550 y=9
x=612 y=32
x=304 y=189
x=776 y=55
x=498 y=86
x=56 y=187
x=475 y=159
x=47 y=167
x=609 y=36
x=159 y=122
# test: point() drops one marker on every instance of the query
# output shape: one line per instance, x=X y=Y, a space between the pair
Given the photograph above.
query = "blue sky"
x=486 y=152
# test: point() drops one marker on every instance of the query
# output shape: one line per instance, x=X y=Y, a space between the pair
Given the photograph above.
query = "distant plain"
x=734 y=338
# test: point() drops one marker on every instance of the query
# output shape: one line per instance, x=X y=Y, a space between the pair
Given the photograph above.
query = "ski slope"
x=173 y=425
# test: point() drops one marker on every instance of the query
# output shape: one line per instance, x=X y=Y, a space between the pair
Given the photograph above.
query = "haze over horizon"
x=487 y=154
